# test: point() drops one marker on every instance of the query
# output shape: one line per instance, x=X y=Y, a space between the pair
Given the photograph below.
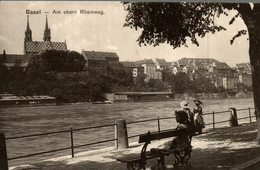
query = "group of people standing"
x=195 y=117
x=186 y=120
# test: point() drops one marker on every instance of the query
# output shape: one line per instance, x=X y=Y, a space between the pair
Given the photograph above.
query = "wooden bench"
x=138 y=162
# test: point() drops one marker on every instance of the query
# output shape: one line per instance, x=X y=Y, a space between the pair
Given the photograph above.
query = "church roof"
x=95 y=55
x=35 y=46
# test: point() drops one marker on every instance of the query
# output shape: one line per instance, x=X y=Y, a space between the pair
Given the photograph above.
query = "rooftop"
x=37 y=46
x=98 y=55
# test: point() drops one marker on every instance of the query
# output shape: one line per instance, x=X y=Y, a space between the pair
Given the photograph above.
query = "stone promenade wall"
x=213 y=95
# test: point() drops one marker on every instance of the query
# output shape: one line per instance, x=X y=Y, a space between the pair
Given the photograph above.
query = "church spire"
x=47 y=32
x=28 y=32
x=28 y=26
x=46 y=25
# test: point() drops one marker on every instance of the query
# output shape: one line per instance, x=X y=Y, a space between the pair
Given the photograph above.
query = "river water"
x=22 y=121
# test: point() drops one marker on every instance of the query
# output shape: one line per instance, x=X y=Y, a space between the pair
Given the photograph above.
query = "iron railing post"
x=159 y=129
x=116 y=136
x=249 y=115
x=3 y=153
x=213 y=120
x=72 y=145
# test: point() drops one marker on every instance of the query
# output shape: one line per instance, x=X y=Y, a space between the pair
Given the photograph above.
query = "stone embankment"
x=241 y=94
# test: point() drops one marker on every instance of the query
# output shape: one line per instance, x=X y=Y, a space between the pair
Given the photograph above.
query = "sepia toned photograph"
x=138 y=85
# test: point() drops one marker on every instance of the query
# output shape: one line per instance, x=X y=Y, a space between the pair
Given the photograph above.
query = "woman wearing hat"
x=197 y=111
x=177 y=142
x=185 y=107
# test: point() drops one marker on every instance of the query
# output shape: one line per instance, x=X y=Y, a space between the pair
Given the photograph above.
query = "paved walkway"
x=224 y=148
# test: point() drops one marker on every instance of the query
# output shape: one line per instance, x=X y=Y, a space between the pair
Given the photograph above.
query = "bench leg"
x=182 y=159
x=161 y=163
x=130 y=166
x=135 y=166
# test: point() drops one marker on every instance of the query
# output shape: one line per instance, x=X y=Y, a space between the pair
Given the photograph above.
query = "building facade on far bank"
x=220 y=73
x=223 y=75
x=150 y=69
x=133 y=67
x=99 y=62
x=244 y=73
x=162 y=64
x=95 y=62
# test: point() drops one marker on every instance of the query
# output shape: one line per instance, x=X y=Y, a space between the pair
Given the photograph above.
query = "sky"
x=105 y=32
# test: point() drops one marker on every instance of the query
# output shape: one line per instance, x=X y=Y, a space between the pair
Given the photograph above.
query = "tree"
x=203 y=84
x=175 y=23
x=74 y=61
x=62 y=61
x=3 y=59
x=157 y=85
x=36 y=80
x=99 y=86
x=181 y=82
x=17 y=77
x=120 y=77
x=140 y=83
x=4 y=74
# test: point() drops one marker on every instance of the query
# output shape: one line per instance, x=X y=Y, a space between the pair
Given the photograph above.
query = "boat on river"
x=103 y=102
x=11 y=100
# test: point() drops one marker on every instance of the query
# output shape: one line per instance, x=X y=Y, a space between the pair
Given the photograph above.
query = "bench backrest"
x=148 y=137
x=162 y=134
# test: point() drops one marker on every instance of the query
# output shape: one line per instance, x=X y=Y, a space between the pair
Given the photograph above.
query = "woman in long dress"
x=178 y=142
x=198 y=116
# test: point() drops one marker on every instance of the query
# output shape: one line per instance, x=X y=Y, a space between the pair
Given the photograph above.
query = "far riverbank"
x=131 y=97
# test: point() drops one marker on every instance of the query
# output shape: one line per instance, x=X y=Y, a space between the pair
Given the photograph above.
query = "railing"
x=214 y=113
x=158 y=119
x=214 y=123
x=72 y=147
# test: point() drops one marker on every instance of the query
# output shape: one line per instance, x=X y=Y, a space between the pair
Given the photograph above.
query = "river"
x=21 y=121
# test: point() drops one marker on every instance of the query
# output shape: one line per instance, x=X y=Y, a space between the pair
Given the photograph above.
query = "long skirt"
x=199 y=120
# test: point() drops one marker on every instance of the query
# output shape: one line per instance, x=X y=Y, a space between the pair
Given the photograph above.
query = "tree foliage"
x=181 y=82
x=16 y=74
x=120 y=78
x=203 y=84
x=172 y=23
x=4 y=74
x=140 y=83
x=62 y=61
x=157 y=85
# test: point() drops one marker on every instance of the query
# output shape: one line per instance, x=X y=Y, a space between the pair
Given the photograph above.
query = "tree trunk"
x=253 y=25
x=256 y=91
x=251 y=18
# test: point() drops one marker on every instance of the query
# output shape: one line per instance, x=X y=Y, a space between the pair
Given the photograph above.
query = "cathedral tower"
x=28 y=32
x=38 y=47
x=47 y=32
